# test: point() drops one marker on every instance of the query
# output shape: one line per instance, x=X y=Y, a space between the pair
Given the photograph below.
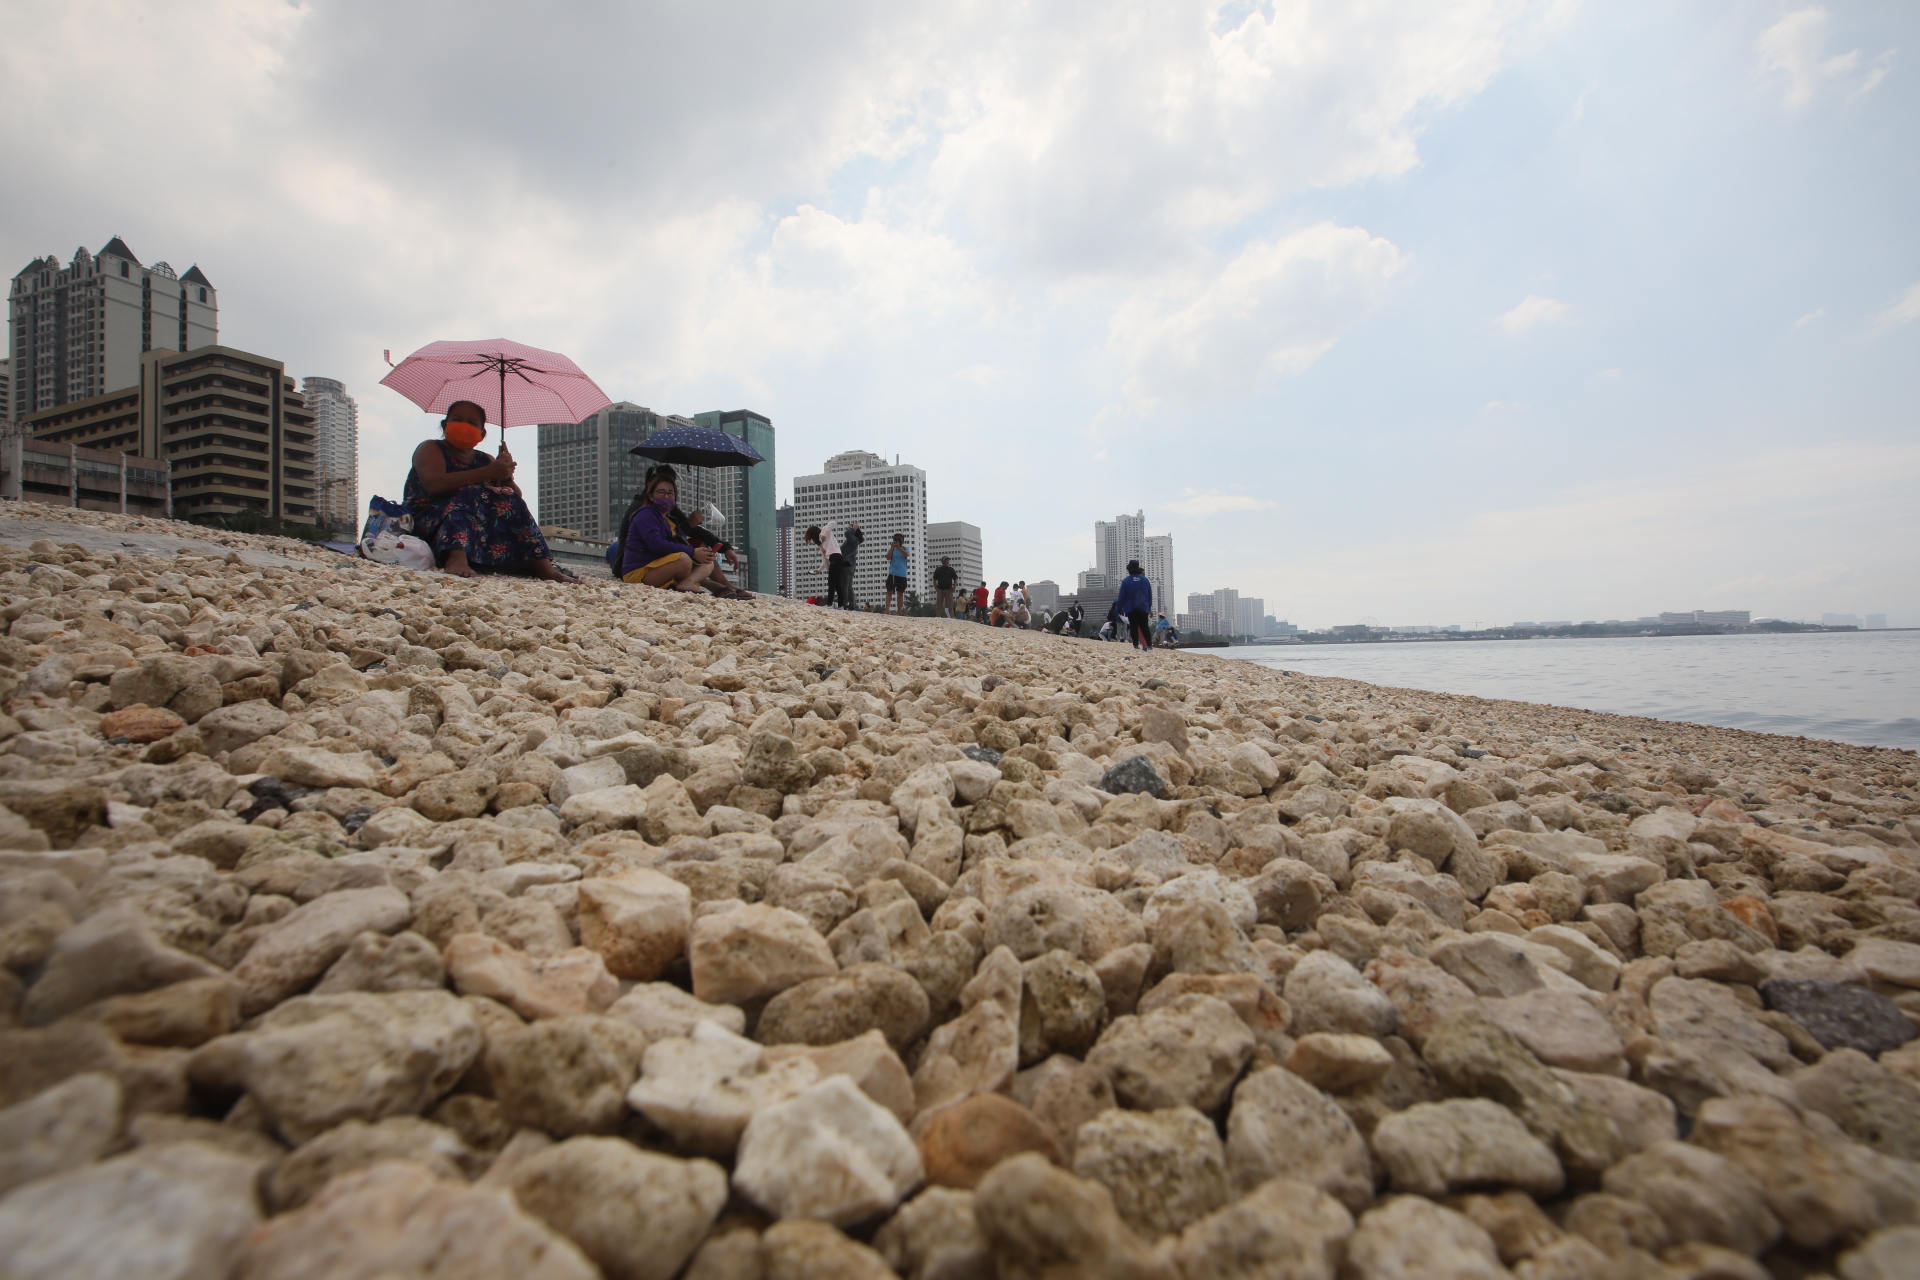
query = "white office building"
x=862 y=488
x=78 y=331
x=336 y=452
x=1116 y=542
x=960 y=543
x=1156 y=561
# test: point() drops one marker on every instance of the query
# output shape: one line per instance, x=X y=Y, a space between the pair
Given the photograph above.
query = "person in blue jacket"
x=653 y=553
x=1134 y=604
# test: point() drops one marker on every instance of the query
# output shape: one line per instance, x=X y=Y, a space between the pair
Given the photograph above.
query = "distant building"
x=588 y=477
x=744 y=495
x=6 y=390
x=1156 y=561
x=1203 y=623
x=79 y=331
x=237 y=436
x=1118 y=541
x=1839 y=619
x=1281 y=627
x=336 y=452
x=1876 y=622
x=783 y=543
x=960 y=543
x=1045 y=594
x=884 y=499
x=1723 y=617
x=1095 y=580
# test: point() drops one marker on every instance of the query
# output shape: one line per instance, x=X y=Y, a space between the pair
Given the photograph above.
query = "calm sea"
x=1850 y=686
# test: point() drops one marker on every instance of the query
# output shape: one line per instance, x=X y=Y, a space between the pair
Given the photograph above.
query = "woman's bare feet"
x=551 y=572
x=456 y=564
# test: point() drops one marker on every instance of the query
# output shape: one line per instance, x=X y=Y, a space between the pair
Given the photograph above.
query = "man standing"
x=980 y=603
x=896 y=597
x=849 y=550
x=944 y=579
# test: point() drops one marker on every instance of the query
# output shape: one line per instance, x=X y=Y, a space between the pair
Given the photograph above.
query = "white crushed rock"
x=395 y=881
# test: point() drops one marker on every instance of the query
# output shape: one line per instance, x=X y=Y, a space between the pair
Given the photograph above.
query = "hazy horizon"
x=1496 y=310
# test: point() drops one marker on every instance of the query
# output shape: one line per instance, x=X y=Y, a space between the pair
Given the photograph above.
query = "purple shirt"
x=649 y=537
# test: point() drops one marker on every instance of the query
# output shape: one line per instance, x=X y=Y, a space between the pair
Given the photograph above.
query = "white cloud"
x=1273 y=309
x=1213 y=503
x=1905 y=310
x=1811 y=316
x=983 y=376
x=870 y=174
x=1793 y=51
x=1535 y=311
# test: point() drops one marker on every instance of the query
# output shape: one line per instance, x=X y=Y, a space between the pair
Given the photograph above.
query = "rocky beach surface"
x=365 y=923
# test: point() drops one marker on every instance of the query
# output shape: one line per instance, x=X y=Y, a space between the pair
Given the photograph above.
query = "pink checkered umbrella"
x=517 y=384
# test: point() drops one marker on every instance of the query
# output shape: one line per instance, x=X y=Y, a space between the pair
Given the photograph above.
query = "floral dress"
x=489 y=522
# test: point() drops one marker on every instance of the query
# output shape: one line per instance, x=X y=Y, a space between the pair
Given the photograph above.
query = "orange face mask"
x=464 y=435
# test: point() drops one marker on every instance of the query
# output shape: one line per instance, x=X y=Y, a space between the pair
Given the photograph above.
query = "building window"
x=123 y=269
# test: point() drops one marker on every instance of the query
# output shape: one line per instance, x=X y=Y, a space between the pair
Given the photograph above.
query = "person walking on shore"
x=944 y=579
x=1134 y=604
x=896 y=597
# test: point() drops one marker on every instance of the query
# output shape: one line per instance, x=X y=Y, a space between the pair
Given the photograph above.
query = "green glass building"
x=745 y=495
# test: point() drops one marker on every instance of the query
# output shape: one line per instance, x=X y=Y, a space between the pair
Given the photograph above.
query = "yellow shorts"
x=645 y=569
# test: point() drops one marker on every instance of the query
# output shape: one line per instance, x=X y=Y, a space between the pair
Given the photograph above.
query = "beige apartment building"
x=227 y=425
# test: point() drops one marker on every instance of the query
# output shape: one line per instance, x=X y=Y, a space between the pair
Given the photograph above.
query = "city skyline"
x=1350 y=316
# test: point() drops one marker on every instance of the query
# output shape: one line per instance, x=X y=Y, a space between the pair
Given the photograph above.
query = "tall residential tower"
x=336 y=452
x=79 y=331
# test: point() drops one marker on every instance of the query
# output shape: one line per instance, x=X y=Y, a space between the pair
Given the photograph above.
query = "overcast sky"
x=1473 y=312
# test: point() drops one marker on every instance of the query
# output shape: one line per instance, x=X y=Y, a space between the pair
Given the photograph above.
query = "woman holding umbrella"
x=467 y=507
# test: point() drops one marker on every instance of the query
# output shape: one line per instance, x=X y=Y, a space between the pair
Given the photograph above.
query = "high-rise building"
x=1156 y=561
x=79 y=331
x=744 y=495
x=336 y=451
x=883 y=499
x=236 y=435
x=1095 y=580
x=1045 y=595
x=588 y=477
x=1116 y=543
x=1248 y=618
x=960 y=543
x=783 y=544
x=6 y=390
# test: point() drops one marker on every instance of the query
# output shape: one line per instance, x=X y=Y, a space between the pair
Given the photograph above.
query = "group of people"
x=1008 y=605
x=466 y=505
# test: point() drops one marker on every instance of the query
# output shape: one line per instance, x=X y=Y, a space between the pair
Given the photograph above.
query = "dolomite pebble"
x=383 y=864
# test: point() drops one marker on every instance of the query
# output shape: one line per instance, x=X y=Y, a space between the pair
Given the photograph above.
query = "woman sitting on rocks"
x=653 y=552
x=466 y=506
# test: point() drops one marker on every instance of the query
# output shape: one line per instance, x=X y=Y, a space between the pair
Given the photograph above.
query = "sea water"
x=1850 y=686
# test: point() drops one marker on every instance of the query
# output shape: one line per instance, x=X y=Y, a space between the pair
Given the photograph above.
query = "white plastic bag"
x=402 y=549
